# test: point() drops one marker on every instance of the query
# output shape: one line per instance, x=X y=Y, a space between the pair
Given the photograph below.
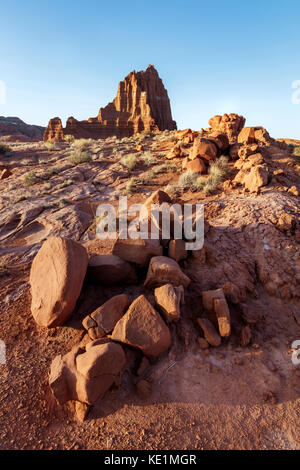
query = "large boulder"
x=164 y=270
x=230 y=124
x=204 y=148
x=256 y=178
x=195 y=166
x=142 y=327
x=56 y=278
x=138 y=251
x=103 y=320
x=110 y=269
x=85 y=374
x=220 y=139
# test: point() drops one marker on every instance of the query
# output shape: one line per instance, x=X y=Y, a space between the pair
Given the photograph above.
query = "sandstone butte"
x=141 y=104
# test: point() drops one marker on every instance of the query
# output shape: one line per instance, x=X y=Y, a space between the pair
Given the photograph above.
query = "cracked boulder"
x=103 y=320
x=56 y=278
x=85 y=374
x=142 y=327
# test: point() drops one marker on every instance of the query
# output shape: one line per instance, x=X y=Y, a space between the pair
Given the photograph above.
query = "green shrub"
x=30 y=178
x=69 y=138
x=78 y=156
x=131 y=186
x=129 y=161
x=148 y=158
x=82 y=144
x=51 y=146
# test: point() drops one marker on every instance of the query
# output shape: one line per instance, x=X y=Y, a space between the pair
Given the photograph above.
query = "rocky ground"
x=241 y=394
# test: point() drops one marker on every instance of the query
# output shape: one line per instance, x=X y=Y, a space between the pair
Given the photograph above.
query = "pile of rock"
x=56 y=278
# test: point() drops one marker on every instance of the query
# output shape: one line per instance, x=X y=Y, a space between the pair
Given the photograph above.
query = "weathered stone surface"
x=101 y=359
x=204 y=148
x=81 y=411
x=168 y=299
x=247 y=136
x=220 y=139
x=103 y=320
x=210 y=333
x=196 y=165
x=164 y=270
x=177 y=250
x=157 y=197
x=54 y=131
x=230 y=124
x=110 y=269
x=257 y=177
x=142 y=327
x=101 y=366
x=209 y=296
x=223 y=316
x=142 y=103
x=138 y=251
x=56 y=279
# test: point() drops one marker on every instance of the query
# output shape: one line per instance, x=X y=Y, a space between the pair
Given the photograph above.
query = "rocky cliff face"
x=54 y=131
x=14 y=129
x=142 y=103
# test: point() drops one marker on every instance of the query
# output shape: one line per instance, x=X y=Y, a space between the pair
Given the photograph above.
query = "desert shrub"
x=148 y=158
x=167 y=167
x=296 y=151
x=131 y=186
x=5 y=149
x=30 y=178
x=129 y=161
x=47 y=185
x=218 y=169
x=69 y=138
x=50 y=146
x=78 y=156
x=82 y=144
x=186 y=180
x=172 y=189
x=66 y=183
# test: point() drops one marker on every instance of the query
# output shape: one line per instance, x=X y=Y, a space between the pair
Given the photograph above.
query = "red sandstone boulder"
x=85 y=375
x=195 y=166
x=143 y=328
x=103 y=320
x=204 y=148
x=220 y=139
x=56 y=279
x=230 y=124
x=164 y=270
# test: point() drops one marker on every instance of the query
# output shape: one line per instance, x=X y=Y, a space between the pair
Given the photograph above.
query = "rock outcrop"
x=54 y=132
x=230 y=124
x=141 y=104
x=14 y=129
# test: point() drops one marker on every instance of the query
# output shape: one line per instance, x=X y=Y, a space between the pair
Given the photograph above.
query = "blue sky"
x=63 y=58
